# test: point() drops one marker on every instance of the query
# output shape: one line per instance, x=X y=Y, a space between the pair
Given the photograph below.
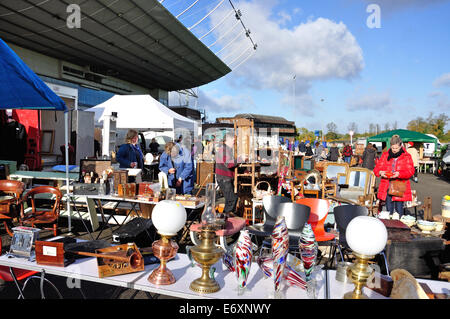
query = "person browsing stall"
x=130 y=154
x=176 y=163
x=347 y=152
x=225 y=164
x=154 y=145
x=394 y=165
x=369 y=156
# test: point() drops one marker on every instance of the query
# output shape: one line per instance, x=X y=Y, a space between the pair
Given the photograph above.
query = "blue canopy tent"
x=21 y=88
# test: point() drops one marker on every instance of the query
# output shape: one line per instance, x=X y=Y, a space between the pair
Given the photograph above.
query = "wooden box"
x=187 y=200
x=120 y=177
x=144 y=189
x=51 y=254
x=127 y=190
x=108 y=267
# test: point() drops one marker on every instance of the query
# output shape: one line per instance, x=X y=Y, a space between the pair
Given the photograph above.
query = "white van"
x=429 y=148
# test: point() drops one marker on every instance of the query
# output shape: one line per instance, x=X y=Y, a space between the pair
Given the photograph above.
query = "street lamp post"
x=351 y=137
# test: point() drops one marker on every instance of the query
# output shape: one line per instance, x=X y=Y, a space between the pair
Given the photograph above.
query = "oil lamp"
x=168 y=217
x=367 y=237
x=207 y=253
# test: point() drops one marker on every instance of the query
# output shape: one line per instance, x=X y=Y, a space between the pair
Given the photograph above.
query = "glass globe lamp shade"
x=366 y=235
x=169 y=217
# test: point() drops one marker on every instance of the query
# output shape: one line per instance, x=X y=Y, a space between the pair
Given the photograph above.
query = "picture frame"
x=47 y=141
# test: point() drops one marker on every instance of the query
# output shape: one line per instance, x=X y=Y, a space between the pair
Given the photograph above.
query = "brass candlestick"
x=164 y=249
x=206 y=254
x=359 y=272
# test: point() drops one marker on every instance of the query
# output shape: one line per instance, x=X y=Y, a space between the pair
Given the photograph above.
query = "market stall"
x=143 y=113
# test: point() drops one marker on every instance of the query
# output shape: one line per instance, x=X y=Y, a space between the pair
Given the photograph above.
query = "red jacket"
x=404 y=165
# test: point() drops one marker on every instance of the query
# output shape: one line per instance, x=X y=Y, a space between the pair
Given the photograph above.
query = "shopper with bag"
x=395 y=167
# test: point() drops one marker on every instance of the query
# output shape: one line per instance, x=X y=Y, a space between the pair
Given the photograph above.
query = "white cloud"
x=377 y=101
x=441 y=100
x=315 y=49
x=213 y=102
x=443 y=80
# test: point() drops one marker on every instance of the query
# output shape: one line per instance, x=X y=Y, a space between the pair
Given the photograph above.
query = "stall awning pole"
x=66 y=141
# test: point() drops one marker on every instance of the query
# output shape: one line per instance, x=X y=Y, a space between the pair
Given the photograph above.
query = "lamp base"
x=359 y=273
x=161 y=277
x=164 y=249
x=351 y=295
x=203 y=286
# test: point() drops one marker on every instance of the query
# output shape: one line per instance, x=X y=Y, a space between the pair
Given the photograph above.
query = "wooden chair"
x=42 y=216
x=330 y=173
x=11 y=203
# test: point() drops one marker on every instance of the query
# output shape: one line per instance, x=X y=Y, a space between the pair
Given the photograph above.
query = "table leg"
x=99 y=204
x=81 y=217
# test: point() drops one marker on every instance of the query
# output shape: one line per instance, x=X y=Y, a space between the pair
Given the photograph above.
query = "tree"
x=394 y=125
x=353 y=127
x=332 y=131
x=304 y=134
x=431 y=125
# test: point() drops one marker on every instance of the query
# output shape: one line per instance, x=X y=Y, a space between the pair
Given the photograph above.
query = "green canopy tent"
x=405 y=135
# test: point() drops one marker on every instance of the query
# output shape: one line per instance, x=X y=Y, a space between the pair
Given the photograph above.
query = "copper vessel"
x=164 y=249
x=206 y=254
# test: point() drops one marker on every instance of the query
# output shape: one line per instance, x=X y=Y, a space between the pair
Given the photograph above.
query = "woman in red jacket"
x=395 y=164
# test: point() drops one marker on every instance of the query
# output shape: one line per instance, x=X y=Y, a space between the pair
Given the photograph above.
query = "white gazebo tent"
x=144 y=113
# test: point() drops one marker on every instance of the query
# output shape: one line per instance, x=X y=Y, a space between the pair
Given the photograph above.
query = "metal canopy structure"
x=138 y=41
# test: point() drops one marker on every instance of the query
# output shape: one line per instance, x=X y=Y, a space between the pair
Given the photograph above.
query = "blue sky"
x=345 y=71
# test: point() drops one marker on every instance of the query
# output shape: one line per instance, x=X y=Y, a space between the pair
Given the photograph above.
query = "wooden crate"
x=120 y=177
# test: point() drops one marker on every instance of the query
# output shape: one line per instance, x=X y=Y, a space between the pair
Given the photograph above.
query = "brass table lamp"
x=367 y=237
x=207 y=253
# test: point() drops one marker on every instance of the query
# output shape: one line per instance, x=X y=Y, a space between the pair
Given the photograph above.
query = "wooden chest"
x=127 y=190
x=120 y=177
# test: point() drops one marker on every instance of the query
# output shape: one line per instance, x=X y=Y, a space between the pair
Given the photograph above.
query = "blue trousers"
x=394 y=205
x=347 y=159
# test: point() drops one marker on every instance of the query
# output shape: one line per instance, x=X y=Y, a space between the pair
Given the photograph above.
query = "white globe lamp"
x=367 y=237
x=168 y=217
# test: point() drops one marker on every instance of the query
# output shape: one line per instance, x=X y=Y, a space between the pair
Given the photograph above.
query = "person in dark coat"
x=130 y=154
x=333 y=153
x=13 y=136
x=309 y=152
x=369 y=156
x=154 y=145
x=302 y=147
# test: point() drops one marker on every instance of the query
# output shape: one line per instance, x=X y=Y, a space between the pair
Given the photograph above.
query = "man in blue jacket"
x=176 y=162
